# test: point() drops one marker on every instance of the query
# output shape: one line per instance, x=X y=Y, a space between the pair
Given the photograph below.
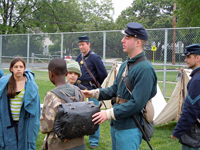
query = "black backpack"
x=74 y=119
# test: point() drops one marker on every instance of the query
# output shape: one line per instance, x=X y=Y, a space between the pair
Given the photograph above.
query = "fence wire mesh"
x=164 y=50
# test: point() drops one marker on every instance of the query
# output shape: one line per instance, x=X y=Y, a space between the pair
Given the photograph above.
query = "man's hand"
x=173 y=137
x=87 y=93
x=99 y=117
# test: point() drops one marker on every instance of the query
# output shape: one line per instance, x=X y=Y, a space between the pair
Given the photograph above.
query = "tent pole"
x=180 y=94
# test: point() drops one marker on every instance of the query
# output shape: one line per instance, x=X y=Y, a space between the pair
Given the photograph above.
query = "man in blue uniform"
x=124 y=131
x=191 y=110
x=98 y=71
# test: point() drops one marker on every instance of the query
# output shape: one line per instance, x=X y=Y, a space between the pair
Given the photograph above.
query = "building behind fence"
x=164 y=49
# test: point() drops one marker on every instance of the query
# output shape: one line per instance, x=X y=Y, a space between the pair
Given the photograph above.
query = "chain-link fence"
x=164 y=49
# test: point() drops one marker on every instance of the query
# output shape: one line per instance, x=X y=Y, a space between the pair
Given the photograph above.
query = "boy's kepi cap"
x=192 y=49
x=136 y=30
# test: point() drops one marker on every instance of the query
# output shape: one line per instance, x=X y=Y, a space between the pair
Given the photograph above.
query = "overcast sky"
x=120 y=5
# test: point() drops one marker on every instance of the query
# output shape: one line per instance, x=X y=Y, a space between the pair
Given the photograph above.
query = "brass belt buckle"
x=117 y=100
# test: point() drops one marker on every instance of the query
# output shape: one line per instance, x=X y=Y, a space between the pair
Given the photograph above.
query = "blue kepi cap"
x=136 y=30
x=192 y=49
x=84 y=38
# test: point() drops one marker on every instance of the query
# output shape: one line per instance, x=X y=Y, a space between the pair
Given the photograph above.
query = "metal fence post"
x=28 y=46
x=165 y=63
x=0 y=49
x=61 y=47
x=104 y=46
x=32 y=59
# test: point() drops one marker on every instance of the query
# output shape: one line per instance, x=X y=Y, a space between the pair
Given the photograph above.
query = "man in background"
x=191 y=110
x=98 y=71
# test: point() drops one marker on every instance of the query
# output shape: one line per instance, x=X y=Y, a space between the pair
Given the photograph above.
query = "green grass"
x=170 y=76
x=108 y=67
x=161 y=139
x=167 y=67
x=169 y=88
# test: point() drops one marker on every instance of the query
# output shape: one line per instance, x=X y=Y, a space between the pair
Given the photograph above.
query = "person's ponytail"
x=11 y=87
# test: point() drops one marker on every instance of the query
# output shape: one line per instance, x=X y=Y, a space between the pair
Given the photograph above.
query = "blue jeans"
x=129 y=139
x=94 y=139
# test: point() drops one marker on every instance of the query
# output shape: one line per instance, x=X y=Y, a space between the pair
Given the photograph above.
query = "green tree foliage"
x=94 y=17
x=59 y=16
x=188 y=13
x=151 y=14
x=16 y=45
x=98 y=16
x=15 y=15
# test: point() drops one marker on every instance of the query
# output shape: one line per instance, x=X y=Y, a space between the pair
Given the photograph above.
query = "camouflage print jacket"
x=49 y=110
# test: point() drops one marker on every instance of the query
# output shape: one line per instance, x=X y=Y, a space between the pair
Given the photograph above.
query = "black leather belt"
x=121 y=100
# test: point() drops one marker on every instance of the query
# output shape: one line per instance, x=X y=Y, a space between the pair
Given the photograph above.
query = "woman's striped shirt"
x=15 y=105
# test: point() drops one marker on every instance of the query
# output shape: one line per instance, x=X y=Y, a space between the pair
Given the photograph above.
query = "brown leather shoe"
x=92 y=146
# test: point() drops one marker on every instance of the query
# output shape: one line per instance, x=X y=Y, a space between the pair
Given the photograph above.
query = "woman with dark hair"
x=19 y=108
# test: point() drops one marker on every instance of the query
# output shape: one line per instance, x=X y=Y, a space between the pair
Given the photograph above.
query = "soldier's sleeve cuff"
x=110 y=114
x=95 y=93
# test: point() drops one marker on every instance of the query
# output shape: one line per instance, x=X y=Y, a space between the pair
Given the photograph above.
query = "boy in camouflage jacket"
x=57 y=72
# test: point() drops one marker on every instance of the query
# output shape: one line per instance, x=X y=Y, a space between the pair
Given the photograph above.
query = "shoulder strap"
x=98 y=86
x=63 y=96
x=76 y=93
x=197 y=72
x=130 y=88
x=90 y=71
x=127 y=81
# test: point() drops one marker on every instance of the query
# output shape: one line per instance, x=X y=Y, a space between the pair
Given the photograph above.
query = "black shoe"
x=92 y=146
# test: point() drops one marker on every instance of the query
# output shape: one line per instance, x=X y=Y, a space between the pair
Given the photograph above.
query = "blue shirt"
x=96 y=66
x=191 y=106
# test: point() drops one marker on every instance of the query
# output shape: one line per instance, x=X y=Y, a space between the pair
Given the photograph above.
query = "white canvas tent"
x=108 y=81
x=173 y=108
x=158 y=100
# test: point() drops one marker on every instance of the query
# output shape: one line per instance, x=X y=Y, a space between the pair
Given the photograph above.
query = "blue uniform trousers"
x=94 y=139
x=184 y=147
x=129 y=139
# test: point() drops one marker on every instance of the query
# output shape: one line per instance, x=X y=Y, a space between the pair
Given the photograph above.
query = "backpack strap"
x=63 y=96
x=127 y=81
x=76 y=94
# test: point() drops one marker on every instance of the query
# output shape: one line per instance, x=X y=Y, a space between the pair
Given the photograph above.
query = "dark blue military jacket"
x=80 y=86
x=191 y=107
x=96 y=66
